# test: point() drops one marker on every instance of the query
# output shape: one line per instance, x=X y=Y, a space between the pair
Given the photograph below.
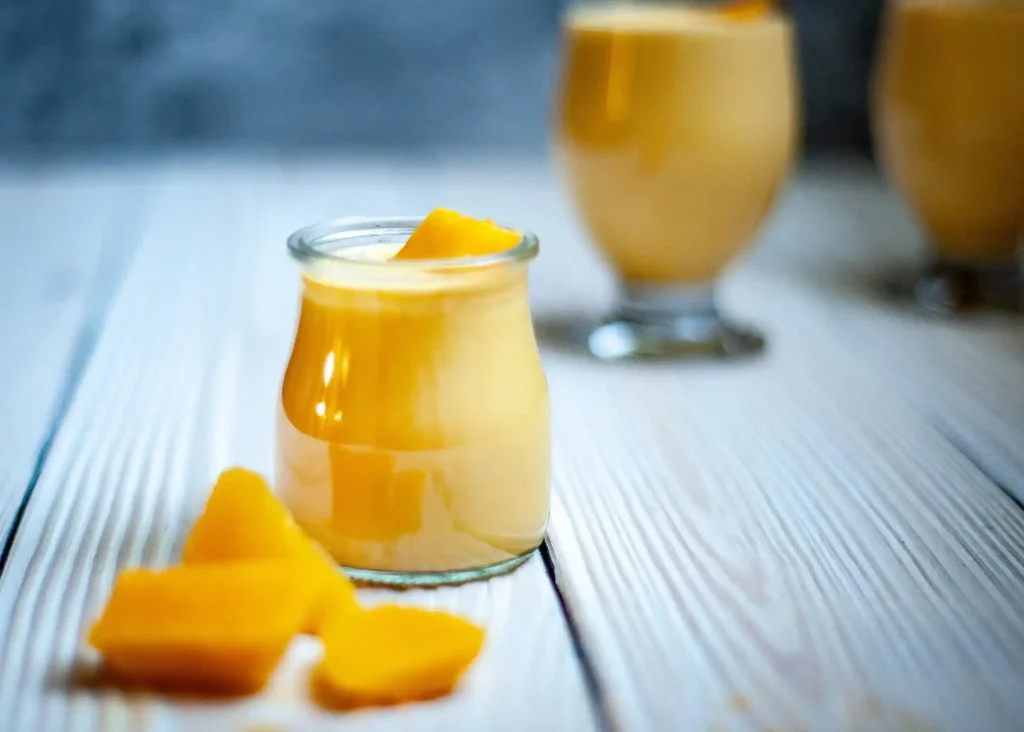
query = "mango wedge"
x=394 y=654
x=745 y=9
x=243 y=520
x=213 y=628
x=445 y=234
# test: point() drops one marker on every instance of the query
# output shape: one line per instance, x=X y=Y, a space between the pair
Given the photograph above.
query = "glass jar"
x=413 y=436
x=948 y=115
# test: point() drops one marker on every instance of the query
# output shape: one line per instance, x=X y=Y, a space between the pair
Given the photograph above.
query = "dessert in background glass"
x=949 y=125
x=413 y=436
x=677 y=129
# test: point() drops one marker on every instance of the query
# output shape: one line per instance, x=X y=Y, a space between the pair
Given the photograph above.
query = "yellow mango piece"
x=445 y=234
x=393 y=654
x=243 y=520
x=215 y=628
x=745 y=9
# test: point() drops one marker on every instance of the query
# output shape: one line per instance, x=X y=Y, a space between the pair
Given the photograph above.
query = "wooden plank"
x=783 y=544
x=184 y=383
x=778 y=544
x=840 y=234
x=964 y=378
x=61 y=256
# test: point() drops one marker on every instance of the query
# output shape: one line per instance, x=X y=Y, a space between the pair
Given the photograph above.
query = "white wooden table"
x=821 y=539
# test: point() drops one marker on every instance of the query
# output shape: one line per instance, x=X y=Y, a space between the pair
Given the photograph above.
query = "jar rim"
x=320 y=243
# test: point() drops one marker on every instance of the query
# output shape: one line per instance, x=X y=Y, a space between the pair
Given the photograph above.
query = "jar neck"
x=490 y=286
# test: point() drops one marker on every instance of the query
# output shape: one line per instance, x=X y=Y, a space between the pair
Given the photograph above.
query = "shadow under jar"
x=677 y=130
x=413 y=437
x=948 y=115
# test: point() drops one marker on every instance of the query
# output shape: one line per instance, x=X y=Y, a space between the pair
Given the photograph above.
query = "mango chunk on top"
x=445 y=234
x=744 y=9
x=216 y=627
x=394 y=654
x=243 y=520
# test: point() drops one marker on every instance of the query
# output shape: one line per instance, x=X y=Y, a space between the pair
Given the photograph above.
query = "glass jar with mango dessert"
x=413 y=437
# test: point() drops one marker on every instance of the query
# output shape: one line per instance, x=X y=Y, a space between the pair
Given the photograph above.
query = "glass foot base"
x=947 y=289
x=671 y=322
x=433 y=579
x=617 y=339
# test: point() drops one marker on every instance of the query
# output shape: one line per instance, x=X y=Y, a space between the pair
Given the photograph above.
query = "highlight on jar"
x=413 y=434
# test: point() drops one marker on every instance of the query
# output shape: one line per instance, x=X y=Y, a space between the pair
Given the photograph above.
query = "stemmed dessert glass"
x=677 y=129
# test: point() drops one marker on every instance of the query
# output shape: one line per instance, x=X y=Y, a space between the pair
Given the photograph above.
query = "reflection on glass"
x=413 y=433
x=949 y=122
x=677 y=130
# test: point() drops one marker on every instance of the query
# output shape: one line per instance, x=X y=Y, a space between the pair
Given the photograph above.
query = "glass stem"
x=665 y=305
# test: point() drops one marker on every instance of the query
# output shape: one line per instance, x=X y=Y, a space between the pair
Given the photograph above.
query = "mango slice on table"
x=394 y=654
x=744 y=9
x=445 y=234
x=215 y=628
x=243 y=520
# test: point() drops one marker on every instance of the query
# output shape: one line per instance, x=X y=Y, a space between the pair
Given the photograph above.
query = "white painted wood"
x=805 y=544
x=59 y=251
x=789 y=543
x=787 y=532
x=840 y=233
x=183 y=383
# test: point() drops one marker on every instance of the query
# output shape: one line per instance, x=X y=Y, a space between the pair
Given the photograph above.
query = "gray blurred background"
x=125 y=76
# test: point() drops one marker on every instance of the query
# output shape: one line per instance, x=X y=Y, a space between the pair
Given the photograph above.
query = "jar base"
x=389 y=578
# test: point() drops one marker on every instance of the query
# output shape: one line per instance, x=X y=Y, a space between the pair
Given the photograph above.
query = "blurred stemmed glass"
x=677 y=128
x=949 y=125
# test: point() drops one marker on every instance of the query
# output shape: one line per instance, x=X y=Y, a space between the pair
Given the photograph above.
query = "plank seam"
x=114 y=260
x=958 y=445
x=595 y=690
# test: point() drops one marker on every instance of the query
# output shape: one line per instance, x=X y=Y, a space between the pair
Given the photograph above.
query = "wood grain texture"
x=183 y=383
x=789 y=534
x=841 y=235
x=791 y=543
x=58 y=255
x=780 y=544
